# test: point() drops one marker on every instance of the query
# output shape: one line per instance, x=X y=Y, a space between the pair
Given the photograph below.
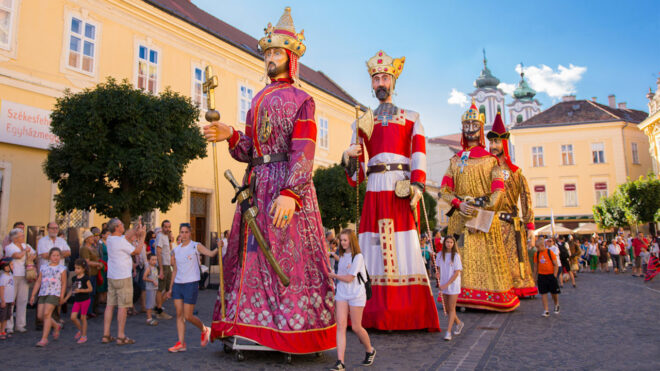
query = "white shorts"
x=358 y=301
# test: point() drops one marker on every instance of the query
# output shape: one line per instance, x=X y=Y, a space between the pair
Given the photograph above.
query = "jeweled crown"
x=383 y=63
x=472 y=114
x=283 y=35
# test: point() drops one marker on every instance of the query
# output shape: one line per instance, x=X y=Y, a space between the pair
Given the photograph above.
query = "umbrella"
x=547 y=230
x=588 y=228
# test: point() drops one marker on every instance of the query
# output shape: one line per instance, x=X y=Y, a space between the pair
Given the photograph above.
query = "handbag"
x=402 y=188
x=367 y=282
x=30 y=268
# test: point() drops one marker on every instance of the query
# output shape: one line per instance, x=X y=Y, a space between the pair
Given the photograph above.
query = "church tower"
x=488 y=97
x=524 y=105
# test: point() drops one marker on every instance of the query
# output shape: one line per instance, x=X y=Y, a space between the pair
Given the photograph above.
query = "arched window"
x=519 y=119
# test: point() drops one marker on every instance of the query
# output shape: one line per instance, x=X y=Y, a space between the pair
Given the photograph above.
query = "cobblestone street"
x=608 y=323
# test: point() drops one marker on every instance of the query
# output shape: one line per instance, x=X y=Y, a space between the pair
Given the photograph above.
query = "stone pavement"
x=608 y=323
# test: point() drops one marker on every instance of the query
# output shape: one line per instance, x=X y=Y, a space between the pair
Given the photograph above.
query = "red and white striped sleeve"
x=418 y=152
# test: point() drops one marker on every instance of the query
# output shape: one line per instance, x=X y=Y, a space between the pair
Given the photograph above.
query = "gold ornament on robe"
x=265 y=127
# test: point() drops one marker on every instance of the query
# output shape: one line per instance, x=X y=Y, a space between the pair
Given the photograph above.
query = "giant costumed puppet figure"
x=474 y=181
x=515 y=229
x=278 y=144
x=394 y=141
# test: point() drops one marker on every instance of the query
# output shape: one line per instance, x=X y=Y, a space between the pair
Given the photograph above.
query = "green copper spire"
x=486 y=79
x=523 y=91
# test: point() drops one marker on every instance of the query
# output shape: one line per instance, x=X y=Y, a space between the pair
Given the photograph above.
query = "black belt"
x=507 y=217
x=381 y=168
x=269 y=159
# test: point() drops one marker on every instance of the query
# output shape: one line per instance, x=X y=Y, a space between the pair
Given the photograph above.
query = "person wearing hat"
x=474 y=181
x=278 y=144
x=91 y=256
x=395 y=144
x=515 y=228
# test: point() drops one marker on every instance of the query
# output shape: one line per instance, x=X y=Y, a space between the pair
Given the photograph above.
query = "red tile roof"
x=187 y=11
x=453 y=141
x=581 y=112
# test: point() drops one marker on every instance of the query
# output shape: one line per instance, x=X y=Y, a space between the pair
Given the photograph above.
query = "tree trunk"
x=126 y=218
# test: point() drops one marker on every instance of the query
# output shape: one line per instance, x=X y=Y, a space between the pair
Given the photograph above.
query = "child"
x=545 y=271
x=6 y=295
x=450 y=267
x=81 y=287
x=50 y=286
x=151 y=285
x=351 y=297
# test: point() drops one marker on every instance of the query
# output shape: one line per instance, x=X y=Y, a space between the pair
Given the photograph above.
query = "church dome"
x=523 y=91
x=486 y=79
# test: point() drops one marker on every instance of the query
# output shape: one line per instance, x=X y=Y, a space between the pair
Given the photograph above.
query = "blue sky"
x=605 y=47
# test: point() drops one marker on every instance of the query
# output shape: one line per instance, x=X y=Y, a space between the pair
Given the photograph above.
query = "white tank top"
x=187 y=263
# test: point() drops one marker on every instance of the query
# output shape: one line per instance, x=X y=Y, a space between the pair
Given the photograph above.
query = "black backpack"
x=367 y=283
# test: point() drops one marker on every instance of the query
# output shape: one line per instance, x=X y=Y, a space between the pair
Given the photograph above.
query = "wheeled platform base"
x=238 y=344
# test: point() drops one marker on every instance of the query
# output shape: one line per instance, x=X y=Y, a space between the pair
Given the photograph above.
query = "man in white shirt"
x=163 y=253
x=49 y=241
x=120 y=271
x=19 y=251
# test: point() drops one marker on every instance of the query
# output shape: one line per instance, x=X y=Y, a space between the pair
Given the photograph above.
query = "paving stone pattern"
x=610 y=322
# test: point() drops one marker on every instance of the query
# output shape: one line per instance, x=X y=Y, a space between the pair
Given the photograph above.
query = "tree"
x=122 y=152
x=431 y=206
x=611 y=212
x=336 y=197
x=642 y=199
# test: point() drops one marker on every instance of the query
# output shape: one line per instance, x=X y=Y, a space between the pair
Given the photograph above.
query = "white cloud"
x=507 y=88
x=554 y=83
x=458 y=98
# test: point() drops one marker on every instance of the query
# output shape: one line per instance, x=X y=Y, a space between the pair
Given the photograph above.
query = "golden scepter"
x=210 y=83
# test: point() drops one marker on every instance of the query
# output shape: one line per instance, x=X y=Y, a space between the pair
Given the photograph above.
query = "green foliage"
x=431 y=209
x=611 y=212
x=123 y=152
x=642 y=198
x=336 y=197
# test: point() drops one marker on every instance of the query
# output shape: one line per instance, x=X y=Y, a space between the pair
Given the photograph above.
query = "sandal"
x=3 y=336
x=56 y=332
x=125 y=341
x=42 y=343
x=107 y=339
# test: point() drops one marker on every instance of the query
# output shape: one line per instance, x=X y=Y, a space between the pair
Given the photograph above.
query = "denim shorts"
x=186 y=292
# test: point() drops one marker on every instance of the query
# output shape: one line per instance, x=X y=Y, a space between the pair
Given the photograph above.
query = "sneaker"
x=163 y=315
x=152 y=322
x=458 y=328
x=21 y=330
x=82 y=340
x=78 y=335
x=339 y=366
x=545 y=314
x=369 y=358
x=178 y=347
x=448 y=336
x=206 y=336
x=557 y=309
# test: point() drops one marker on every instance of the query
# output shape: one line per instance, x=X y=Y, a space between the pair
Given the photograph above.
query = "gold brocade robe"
x=486 y=279
x=516 y=187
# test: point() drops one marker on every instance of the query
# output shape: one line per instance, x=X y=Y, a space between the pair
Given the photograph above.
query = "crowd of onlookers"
x=134 y=270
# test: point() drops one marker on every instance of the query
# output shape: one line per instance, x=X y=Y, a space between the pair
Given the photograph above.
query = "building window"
x=519 y=119
x=323 y=133
x=82 y=45
x=537 y=157
x=512 y=152
x=635 y=153
x=198 y=95
x=601 y=190
x=567 y=154
x=540 y=197
x=598 y=153
x=7 y=13
x=147 y=78
x=570 y=195
x=244 y=101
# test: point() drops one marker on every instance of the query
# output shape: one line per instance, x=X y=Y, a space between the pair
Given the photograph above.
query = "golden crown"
x=383 y=63
x=472 y=114
x=283 y=35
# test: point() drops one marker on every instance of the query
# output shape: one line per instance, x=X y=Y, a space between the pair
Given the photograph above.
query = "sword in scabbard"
x=249 y=216
x=518 y=231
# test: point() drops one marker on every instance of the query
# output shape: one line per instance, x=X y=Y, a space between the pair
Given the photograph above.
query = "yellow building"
x=651 y=127
x=576 y=152
x=49 y=46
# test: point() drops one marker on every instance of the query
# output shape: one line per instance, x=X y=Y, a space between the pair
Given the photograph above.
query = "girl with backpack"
x=449 y=264
x=351 y=296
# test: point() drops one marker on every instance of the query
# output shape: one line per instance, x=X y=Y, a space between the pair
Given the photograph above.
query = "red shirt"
x=639 y=244
x=437 y=242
